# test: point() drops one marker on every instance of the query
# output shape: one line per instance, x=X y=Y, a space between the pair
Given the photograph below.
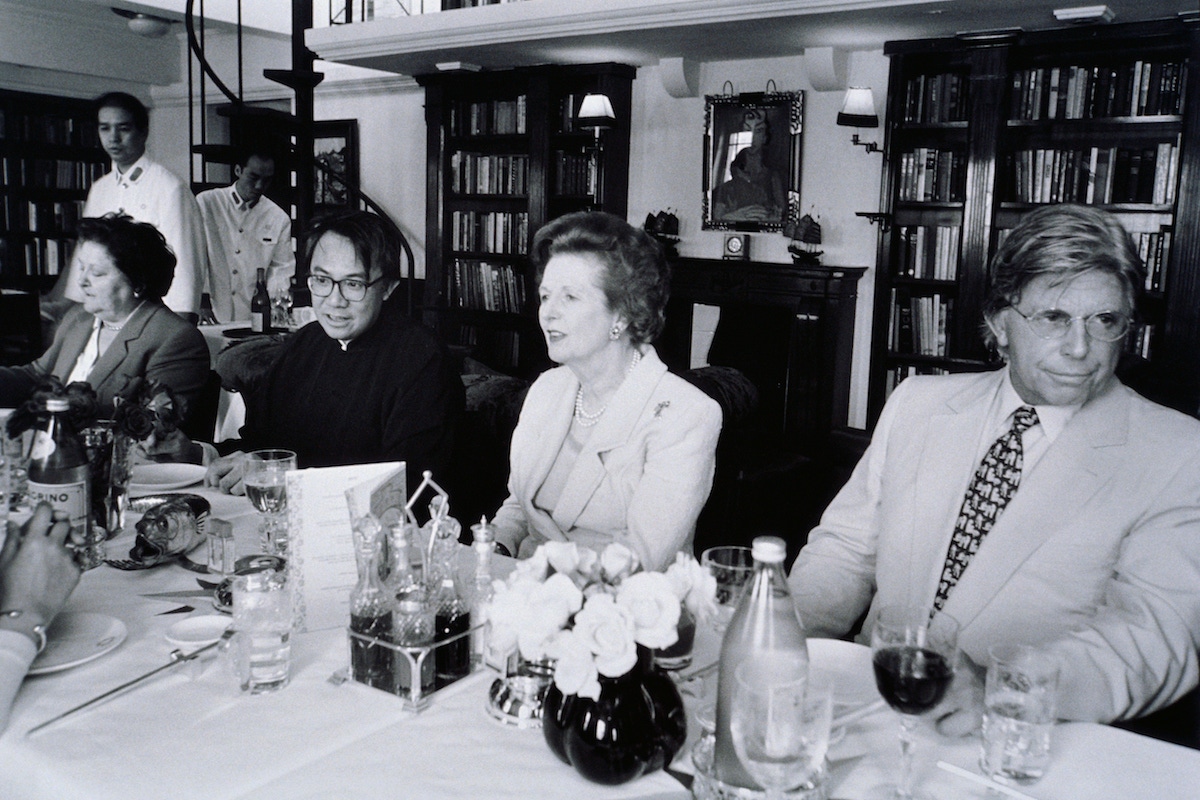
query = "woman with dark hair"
x=121 y=330
x=610 y=447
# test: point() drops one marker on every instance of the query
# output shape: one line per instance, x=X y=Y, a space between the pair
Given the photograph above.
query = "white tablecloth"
x=190 y=733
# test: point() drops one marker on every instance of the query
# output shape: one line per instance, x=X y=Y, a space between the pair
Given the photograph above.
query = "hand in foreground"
x=961 y=711
x=37 y=571
x=226 y=473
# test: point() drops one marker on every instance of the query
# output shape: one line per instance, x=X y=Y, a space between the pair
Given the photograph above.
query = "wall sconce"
x=596 y=114
x=858 y=111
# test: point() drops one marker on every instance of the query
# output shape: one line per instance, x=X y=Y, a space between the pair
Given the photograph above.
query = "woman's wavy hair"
x=635 y=276
x=138 y=249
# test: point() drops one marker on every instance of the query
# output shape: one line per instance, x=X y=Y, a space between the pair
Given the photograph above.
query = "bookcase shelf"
x=504 y=157
x=1107 y=116
x=49 y=156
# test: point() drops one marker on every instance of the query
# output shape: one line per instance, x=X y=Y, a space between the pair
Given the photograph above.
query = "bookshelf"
x=49 y=156
x=504 y=157
x=983 y=129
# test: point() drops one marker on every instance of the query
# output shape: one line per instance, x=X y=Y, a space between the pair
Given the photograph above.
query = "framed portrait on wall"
x=752 y=149
x=335 y=150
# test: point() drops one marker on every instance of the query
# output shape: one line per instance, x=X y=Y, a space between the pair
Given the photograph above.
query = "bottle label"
x=43 y=446
x=70 y=499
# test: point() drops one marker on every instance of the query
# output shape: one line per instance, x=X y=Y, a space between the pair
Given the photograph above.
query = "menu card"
x=321 y=565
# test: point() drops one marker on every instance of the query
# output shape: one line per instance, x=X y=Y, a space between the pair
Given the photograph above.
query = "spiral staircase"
x=289 y=133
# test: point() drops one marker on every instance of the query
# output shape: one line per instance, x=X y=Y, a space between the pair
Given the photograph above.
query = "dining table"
x=190 y=732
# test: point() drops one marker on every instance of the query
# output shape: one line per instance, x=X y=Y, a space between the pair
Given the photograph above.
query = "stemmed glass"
x=780 y=723
x=913 y=654
x=732 y=566
x=266 y=486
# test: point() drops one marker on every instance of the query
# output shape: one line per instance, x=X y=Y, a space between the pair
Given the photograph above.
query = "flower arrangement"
x=589 y=612
x=148 y=410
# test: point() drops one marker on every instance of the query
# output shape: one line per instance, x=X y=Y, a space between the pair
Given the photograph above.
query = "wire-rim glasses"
x=353 y=289
x=1054 y=323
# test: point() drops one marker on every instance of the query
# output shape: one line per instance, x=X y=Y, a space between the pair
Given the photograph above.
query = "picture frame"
x=335 y=145
x=752 y=155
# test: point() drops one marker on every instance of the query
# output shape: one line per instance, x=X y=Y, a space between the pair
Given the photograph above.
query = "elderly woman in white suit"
x=610 y=447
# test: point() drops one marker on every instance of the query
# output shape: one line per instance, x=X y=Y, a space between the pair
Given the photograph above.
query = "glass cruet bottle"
x=483 y=542
x=371 y=610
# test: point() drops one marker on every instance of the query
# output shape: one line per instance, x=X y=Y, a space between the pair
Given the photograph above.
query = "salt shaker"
x=221 y=549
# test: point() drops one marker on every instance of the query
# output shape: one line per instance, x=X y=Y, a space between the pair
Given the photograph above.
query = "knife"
x=179 y=595
x=177 y=657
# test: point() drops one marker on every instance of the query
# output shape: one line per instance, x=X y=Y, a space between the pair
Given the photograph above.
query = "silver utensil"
x=177 y=657
x=182 y=594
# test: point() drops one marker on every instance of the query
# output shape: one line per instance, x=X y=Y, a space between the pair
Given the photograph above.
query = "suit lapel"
x=115 y=354
x=613 y=430
x=74 y=341
x=947 y=463
x=1078 y=465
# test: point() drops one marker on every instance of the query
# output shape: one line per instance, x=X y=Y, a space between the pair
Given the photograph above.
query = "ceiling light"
x=147 y=25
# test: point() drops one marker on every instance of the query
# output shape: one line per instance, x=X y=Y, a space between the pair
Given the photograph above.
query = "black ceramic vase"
x=636 y=726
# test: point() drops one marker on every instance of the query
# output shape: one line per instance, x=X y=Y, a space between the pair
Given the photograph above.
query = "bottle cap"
x=57 y=404
x=768 y=549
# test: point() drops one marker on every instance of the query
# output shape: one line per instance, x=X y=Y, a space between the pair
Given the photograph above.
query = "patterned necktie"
x=992 y=487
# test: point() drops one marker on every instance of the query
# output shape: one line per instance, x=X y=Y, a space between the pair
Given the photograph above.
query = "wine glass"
x=732 y=566
x=913 y=654
x=266 y=486
x=780 y=722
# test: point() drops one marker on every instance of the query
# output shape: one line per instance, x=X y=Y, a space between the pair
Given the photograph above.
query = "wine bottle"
x=58 y=475
x=260 y=305
x=765 y=622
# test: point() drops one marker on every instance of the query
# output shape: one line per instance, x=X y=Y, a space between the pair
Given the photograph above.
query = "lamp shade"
x=596 y=111
x=858 y=110
x=148 y=26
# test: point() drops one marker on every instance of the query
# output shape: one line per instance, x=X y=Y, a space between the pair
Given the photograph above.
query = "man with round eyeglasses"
x=363 y=383
x=1044 y=503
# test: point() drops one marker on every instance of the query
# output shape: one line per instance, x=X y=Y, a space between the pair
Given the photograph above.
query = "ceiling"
x=632 y=31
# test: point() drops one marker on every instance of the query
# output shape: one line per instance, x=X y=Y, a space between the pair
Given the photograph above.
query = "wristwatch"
x=37 y=632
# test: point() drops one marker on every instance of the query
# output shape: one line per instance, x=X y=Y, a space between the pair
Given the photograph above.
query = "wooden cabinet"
x=504 y=157
x=981 y=130
x=49 y=156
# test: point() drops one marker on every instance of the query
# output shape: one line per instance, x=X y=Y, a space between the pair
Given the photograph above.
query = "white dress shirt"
x=241 y=240
x=149 y=192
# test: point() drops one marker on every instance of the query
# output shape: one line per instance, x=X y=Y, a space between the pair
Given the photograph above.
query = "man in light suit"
x=1096 y=557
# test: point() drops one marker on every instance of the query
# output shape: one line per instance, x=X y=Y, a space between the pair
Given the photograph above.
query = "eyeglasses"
x=1053 y=323
x=353 y=289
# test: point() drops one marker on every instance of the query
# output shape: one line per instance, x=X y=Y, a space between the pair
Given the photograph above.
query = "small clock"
x=737 y=245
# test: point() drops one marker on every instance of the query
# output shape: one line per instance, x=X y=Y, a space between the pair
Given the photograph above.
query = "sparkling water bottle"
x=766 y=622
x=58 y=475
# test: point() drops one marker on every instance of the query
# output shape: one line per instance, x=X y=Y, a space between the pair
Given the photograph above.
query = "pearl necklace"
x=587 y=420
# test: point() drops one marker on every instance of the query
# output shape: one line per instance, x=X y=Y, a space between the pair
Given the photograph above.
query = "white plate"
x=848 y=665
x=164 y=477
x=77 y=637
x=195 y=632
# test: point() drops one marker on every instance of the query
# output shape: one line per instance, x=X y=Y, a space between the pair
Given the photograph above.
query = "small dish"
x=77 y=637
x=195 y=632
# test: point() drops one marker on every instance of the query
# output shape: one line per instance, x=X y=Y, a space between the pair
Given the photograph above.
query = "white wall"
x=837 y=178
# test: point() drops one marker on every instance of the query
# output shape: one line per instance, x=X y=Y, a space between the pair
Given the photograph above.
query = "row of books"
x=1095 y=175
x=489 y=117
x=901 y=371
x=1143 y=88
x=936 y=98
x=503 y=232
x=485 y=285
x=929 y=251
x=35 y=258
x=929 y=174
x=918 y=323
x=1154 y=248
x=450 y=5
x=479 y=173
x=49 y=173
x=498 y=348
x=574 y=173
x=47 y=128
x=40 y=217
x=1142 y=341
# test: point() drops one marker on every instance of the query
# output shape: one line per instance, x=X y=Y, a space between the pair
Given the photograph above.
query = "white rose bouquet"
x=589 y=612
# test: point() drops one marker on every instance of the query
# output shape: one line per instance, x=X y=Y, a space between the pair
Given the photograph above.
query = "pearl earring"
x=615 y=333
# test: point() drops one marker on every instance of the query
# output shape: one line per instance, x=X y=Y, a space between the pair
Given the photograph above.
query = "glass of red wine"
x=913 y=654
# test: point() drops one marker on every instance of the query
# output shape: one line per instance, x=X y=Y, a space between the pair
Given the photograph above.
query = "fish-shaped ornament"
x=171 y=527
